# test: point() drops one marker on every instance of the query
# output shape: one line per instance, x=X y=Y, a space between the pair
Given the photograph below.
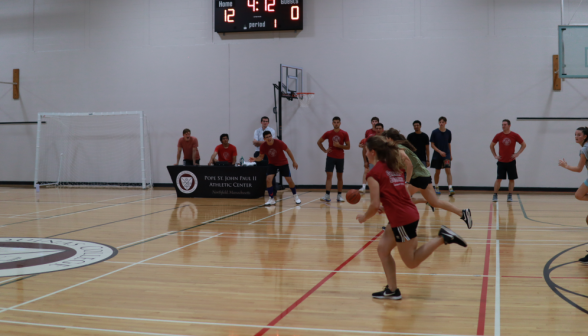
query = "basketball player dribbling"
x=275 y=149
x=581 y=137
x=387 y=185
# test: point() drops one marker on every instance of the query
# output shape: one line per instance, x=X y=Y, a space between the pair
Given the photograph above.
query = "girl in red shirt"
x=387 y=186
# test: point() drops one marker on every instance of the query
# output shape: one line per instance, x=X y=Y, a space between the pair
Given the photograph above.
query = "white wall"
x=473 y=61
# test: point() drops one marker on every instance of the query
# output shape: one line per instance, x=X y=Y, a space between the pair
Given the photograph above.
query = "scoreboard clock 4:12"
x=257 y=15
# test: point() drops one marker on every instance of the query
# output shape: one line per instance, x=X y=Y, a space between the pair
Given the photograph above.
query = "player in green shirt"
x=421 y=179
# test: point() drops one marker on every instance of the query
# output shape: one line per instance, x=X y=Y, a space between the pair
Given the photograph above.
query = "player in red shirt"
x=387 y=186
x=507 y=163
x=274 y=149
x=189 y=145
x=338 y=142
x=226 y=152
x=378 y=129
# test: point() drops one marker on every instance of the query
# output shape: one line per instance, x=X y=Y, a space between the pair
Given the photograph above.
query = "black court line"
x=158 y=237
x=556 y=288
x=534 y=220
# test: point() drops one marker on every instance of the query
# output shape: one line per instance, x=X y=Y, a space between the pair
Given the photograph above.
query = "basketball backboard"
x=290 y=79
x=573 y=51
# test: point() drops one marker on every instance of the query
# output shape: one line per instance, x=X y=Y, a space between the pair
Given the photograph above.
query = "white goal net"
x=106 y=149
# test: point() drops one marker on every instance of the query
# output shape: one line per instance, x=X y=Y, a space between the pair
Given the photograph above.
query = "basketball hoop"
x=304 y=98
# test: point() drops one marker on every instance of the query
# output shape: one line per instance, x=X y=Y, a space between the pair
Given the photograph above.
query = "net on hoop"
x=304 y=98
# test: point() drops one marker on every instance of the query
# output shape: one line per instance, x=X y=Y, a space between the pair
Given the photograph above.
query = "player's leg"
x=285 y=171
x=449 y=181
x=329 y=167
x=429 y=195
x=385 y=247
x=512 y=176
x=269 y=184
x=437 y=165
x=581 y=193
x=339 y=164
x=411 y=254
x=500 y=175
x=416 y=184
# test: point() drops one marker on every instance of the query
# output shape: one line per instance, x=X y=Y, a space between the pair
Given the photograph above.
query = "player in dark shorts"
x=338 y=143
x=387 y=185
x=581 y=137
x=275 y=149
x=421 y=179
x=507 y=158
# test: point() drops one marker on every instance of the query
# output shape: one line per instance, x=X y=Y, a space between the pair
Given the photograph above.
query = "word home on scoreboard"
x=257 y=15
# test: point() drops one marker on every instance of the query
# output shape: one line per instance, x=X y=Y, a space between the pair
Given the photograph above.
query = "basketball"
x=353 y=196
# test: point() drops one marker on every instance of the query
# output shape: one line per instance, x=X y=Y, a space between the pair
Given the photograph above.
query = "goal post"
x=99 y=149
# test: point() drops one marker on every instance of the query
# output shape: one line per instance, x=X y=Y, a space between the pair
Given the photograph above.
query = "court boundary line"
x=316 y=287
x=484 y=294
x=497 y=289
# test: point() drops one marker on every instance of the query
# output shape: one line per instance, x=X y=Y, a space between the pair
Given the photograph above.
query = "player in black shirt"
x=420 y=141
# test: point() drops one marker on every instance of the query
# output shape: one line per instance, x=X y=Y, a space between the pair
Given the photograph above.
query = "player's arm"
x=194 y=150
x=407 y=164
x=450 y=151
x=257 y=159
x=179 y=156
x=345 y=146
x=493 y=150
x=366 y=163
x=375 y=200
x=523 y=146
x=435 y=148
x=212 y=158
x=320 y=144
x=577 y=169
x=427 y=151
x=360 y=144
x=294 y=164
x=234 y=160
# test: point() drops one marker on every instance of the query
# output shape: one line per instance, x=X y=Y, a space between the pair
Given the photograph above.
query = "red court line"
x=317 y=286
x=483 y=296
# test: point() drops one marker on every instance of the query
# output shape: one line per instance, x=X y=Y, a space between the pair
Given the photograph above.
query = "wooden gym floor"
x=234 y=267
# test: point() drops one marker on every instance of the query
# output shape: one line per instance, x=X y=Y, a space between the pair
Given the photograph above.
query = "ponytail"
x=387 y=153
x=398 y=138
x=585 y=132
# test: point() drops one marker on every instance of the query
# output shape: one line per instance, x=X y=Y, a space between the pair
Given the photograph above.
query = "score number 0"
x=269 y=7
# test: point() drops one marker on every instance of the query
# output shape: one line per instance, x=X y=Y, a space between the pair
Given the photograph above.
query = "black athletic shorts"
x=406 y=232
x=284 y=170
x=421 y=182
x=507 y=168
x=440 y=163
x=333 y=163
x=190 y=162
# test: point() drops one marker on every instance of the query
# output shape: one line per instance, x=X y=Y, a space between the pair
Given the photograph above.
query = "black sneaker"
x=582 y=260
x=432 y=208
x=388 y=294
x=466 y=216
x=451 y=237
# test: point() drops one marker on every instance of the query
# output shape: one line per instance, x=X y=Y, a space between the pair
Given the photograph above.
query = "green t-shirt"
x=418 y=169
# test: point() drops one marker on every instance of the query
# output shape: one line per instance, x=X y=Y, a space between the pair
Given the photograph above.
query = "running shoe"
x=388 y=294
x=326 y=198
x=270 y=201
x=437 y=191
x=340 y=198
x=451 y=192
x=450 y=237
x=584 y=260
x=509 y=198
x=495 y=198
x=432 y=208
x=298 y=201
x=362 y=190
x=467 y=217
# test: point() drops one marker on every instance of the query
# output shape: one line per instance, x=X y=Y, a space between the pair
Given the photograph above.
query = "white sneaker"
x=340 y=198
x=326 y=198
x=298 y=201
x=270 y=201
x=362 y=190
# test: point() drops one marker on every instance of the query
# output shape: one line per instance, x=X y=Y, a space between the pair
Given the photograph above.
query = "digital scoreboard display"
x=257 y=15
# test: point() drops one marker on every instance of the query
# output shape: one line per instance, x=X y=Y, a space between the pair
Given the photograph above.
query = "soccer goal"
x=105 y=149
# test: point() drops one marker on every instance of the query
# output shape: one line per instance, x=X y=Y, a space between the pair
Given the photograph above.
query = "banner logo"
x=187 y=182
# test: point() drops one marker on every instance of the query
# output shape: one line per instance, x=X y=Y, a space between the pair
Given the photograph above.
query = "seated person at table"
x=226 y=152
x=189 y=145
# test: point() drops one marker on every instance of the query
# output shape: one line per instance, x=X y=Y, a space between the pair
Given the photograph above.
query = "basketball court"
x=202 y=267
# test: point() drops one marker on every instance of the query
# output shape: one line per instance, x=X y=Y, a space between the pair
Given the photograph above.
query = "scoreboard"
x=257 y=15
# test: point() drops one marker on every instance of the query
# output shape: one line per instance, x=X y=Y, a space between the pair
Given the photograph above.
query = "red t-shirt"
x=394 y=197
x=363 y=141
x=226 y=154
x=506 y=145
x=340 y=137
x=275 y=152
x=369 y=133
x=187 y=146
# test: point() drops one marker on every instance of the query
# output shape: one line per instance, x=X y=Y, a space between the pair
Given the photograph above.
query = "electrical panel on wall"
x=257 y=15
